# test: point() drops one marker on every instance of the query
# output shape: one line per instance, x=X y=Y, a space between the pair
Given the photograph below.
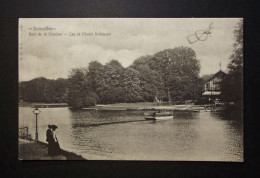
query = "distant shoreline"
x=42 y=105
x=123 y=106
x=146 y=106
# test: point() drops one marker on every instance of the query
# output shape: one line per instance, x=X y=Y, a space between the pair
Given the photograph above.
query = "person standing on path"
x=50 y=139
x=56 y=145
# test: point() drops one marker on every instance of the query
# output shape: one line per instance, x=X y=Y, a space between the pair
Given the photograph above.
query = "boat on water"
x=158 y=116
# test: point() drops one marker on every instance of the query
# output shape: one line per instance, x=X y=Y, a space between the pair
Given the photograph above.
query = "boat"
x=208 y=109
x=158 y=116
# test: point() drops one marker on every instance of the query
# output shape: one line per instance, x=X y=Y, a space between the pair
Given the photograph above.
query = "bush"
x=77 y=103
x=202 y=100
x=90 y=101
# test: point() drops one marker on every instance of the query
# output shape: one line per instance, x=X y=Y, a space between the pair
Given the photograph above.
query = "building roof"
x=219 y=73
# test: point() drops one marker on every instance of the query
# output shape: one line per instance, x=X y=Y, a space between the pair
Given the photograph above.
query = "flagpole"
x=220 y=64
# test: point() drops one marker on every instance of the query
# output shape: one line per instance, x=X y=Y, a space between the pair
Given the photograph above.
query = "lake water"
x=104 y=135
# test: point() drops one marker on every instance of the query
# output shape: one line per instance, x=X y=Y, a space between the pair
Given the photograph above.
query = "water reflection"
x=200 y=136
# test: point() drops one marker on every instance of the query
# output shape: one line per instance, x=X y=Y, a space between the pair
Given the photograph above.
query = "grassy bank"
x=31 y=150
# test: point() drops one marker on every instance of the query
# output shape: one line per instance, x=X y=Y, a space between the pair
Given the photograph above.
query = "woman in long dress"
x=56 y=146
x=49 y=139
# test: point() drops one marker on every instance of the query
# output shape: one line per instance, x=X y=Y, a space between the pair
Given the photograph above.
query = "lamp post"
x=36 y=111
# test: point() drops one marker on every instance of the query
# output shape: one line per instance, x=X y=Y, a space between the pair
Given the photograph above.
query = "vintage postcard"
x=149 y=89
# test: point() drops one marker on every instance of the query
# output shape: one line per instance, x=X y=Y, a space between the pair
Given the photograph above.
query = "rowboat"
x=158 y=116
x=209 y=109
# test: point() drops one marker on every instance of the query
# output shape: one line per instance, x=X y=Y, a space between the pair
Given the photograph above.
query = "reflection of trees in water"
x=230 y=130
x=234 y=118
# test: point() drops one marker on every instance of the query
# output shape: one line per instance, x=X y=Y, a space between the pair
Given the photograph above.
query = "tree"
x=61 y=86
x=179 y=69
x=172 y=73
x=117 y=84
x=33 y=90
x=94 y=70
x=151 y=82
x=117 y=66
x=43 y=90
x=79 y=92
x=143 y=60
x=232 y=86
x=131 y=86
x=109 y=85
x=55 y=91
x=169 y=74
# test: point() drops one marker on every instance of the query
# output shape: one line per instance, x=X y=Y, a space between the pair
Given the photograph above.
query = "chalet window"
x=207 y=86
x=217 y=86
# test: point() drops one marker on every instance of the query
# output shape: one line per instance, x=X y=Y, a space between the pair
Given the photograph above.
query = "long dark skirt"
x=54 y=148
x=50 y=149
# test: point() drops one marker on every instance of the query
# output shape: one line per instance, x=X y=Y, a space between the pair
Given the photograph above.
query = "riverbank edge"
x=42 y=105
x=67 y=154
x=186 y=107
x=126 y=106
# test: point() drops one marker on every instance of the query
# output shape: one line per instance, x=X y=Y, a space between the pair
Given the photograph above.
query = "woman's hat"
x=54 y=126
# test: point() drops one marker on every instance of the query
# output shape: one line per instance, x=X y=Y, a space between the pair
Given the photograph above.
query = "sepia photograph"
x=145 y=89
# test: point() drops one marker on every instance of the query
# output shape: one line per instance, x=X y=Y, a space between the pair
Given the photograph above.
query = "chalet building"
x=212 y=87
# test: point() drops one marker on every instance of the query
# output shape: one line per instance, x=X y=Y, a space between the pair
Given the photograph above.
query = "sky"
x=53 y=56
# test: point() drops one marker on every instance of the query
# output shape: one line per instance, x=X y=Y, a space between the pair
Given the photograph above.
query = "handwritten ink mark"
x=200 y=35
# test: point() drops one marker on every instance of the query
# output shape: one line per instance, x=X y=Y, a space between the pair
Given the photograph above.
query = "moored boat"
x=158 y=116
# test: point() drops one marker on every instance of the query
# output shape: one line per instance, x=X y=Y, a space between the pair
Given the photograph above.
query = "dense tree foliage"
x=232 y=86
x=43 y=90
x=79 y=90
x=109 y=88
x=178 y=69
x=94 y=70
x=151 y=82
x=131 y=86
x=169 y=75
